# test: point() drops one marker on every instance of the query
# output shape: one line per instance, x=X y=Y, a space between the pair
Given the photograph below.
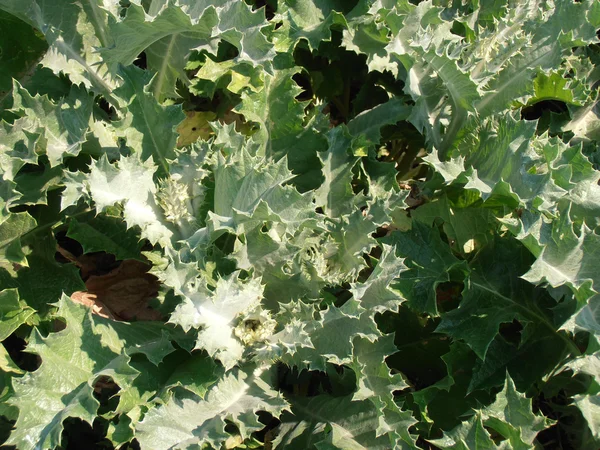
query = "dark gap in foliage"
x=146 y=5
x=403 y=146
x=302 y=79
x=39 y=168
x=298 y=382
x=337 y=381
x=458 y=28
x=554 y=438
x=226 y=242
x=421 y=442
x=415 y=198
x=448 y=295
x=69 y=244
x=124 y=4
x=417 y=342
x=337 y=76
x=78 y=434
x=165 y=303
x=107 y=108
x=349 y=5
x=371 y=259
x=105 y=390
x=266 y=434
x=141 y=61
x=376 y=251
x=5 y=429
x=391 y=84
x=80 y=163
x=103 y=263
x=511 y=332
x=58 y=324
x=15 y=346
x=552 y=123
x=382 y=231
x=133 y=445
x=269 y=5
x=231 y=428
x=336 y=296
x=225 y=51
x=582 y=339
x=546 y=405
x=535 y=111
x=494 y=435
x=555 y=401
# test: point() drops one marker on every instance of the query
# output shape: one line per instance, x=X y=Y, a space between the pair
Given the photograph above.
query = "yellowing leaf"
x=195 y=126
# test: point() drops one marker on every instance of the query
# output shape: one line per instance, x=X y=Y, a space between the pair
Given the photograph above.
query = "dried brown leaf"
x=123 y=293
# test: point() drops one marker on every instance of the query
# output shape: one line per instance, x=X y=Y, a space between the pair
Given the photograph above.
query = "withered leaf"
x=121 y=294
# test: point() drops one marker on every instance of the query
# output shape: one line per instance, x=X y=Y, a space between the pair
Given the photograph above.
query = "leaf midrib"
x=530 y=314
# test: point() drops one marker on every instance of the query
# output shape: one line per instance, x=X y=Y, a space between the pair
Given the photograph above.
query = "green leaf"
x=130 y=182
x=334 y=423
x=21 y=50
x=495 y=294
x=567 y=259
x=308 y=20
x=375 y=382
x=242 y=182
x=17 y=147
x=73 y=31
x=12 y=228
x=389 y=211
x=148 y=126
x=511 y=163
x=470 y=434
x=429 y=262
x=375 y=294
x=168 y=38
x=233 y=76
x=63 y=126
x=365 y=128
x=555 y=87
x=335 y=194
x=214 y=312
x=467 y=229
x=332 y=337
x=351 y=240
x=187 y=421
x=34 y=186
x=44 y=280
x=590 y=408
x=585 y=123
x=510 y=416
x=72 y=360
x=108 y=234
x=8 y=366
x=13 y=313
x=158 y=381
x=275 y=109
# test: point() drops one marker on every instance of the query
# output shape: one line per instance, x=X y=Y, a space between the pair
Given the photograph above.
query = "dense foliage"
x=300 y=224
